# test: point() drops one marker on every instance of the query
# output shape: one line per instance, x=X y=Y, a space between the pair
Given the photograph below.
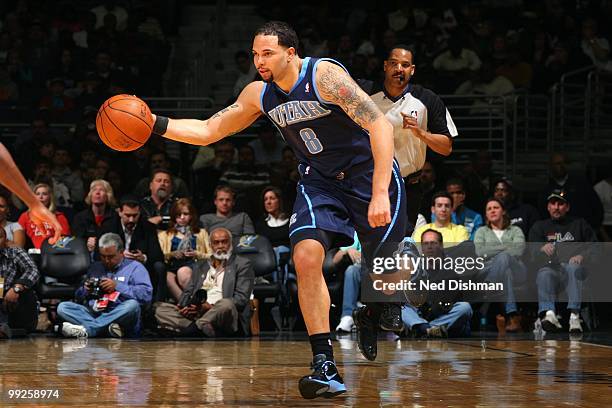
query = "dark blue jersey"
x=320 y=133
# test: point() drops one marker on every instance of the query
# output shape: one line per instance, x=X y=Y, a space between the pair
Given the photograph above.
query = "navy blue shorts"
x=340 y=206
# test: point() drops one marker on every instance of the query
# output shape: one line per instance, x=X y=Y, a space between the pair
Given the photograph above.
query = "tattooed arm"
x=226 y=122
x=336 y=86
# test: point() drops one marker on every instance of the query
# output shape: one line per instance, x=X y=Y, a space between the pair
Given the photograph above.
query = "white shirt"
x=604 y=191
x=213 y=284
x=431 y=115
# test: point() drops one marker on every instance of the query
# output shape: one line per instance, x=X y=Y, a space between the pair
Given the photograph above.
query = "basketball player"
x=11 y=178
x=349 y=180
x=419 y=120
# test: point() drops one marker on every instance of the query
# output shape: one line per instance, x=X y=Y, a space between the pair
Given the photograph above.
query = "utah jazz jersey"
x=320 y=133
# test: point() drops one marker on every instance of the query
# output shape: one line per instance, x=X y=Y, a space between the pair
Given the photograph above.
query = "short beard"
x=221 y=256
x=161 y=194
x=269 y=80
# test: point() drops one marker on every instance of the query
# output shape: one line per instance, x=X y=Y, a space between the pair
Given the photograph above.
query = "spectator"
x=561 y=264
x=246 y=176
x=478 y=180
x=218 y=293
x=267 y=148
x=352 y=280
x=62 y=172
x=442 y=314
x=90 y=222
x=604 y=191
x=521 y=215
x=441 y=209
x=502 y=245
x=44 y=193
x=428 y=183
x=9 y=91
x=140 y=237
x=14 y=233
x=159 y=161
x=584 y=202
x=42 y=174
x=461 y=215
x=111 y=7
x=238 y=224
x=156 y=207
x=274 y=225
x=456 y=64
x=515 y=69
x=59 y=106
x=124 y=287
x=246 y=70
x=183 y=244
x=486 y=83
x=20 y=275
x=595 y=47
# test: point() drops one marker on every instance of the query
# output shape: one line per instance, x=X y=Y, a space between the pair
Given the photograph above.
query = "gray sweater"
x=487 y=243
x=239 y=224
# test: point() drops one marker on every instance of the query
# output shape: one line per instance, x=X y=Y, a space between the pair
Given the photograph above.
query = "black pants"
x=25 y=316
x=414 y=196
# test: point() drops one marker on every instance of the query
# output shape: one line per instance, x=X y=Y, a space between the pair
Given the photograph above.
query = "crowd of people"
x=166 y=234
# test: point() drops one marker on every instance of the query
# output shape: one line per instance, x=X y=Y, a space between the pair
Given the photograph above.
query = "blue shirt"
x=470 y=219
x=131 y=278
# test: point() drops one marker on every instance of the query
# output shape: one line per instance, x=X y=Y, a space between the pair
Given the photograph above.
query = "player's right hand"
x=42 y=217
x=379 y=211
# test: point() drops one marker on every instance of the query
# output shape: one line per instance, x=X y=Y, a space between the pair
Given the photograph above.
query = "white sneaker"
x=73 y=330
x=346 y=324
x=115 y=330
x=550 y=323
x=574 y=323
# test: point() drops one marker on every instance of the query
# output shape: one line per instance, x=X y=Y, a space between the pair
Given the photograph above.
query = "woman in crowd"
x=274 y=224
x=90 y=222
x=182 y=244
x=502 y=244
x=15 y=236
x=45 y=195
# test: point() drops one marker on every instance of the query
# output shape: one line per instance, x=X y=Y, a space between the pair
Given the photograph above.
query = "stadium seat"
x=66 y=262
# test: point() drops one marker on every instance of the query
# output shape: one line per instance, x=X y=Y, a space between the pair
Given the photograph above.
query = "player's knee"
x=307 y=258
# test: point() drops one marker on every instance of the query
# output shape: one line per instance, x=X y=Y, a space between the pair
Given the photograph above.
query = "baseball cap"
x=557 y=194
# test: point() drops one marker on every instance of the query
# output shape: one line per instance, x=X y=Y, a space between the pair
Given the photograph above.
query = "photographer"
x=114 y=291
x=441 y=314
x=19 y=274
x=561 y=260
x=218 y=293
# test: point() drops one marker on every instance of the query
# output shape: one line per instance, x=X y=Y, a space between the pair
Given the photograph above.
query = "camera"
x=95 y=291
x=199 y=297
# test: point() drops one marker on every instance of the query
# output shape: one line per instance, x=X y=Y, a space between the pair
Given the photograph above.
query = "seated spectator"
x=521 y=215
x=604 y=191
x=442 y=314
x=560 y=265
x=218 y=293
x=485 y=82
x=596 y=47
x=267 y=148
x=247 y=72
x=140 y=237
x=502 y=245
x=15 y=235
x=352 y=283
x=90 y=222
x=44 y=193
x=60 y=107
x=238 y=224
x=111 y=7
x=274 y=225
x=20 y=275
x=515 y=69
x=456 y=64
x=582 y=199
x=183 y=244
x=441 y=208
x=461 y=215
x=246 y=176
x=62 y=172
x=159 y=161
x=113 y=303
x=156 y=206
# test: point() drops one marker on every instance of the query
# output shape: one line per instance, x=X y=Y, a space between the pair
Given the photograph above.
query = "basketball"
x=124 y=122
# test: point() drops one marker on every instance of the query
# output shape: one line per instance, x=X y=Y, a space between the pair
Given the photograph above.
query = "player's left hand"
x=379 y=211
x=43 y=218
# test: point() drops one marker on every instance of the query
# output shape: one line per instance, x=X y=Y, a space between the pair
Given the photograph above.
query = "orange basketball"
x=124 y=122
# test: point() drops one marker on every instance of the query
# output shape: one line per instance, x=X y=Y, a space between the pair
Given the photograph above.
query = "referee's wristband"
x=161 y=125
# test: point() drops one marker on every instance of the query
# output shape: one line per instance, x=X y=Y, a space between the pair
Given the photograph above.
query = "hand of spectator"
x=155 y=220
x=108 y=285
x=87 y=286
x=178 y=254
x=91 y=244
x=548 y=249
x=10 y=300
x=190 y=312
x=205 y=307
x=576 y=260
x=190 y=254
x=136 y=255
x=355 y=255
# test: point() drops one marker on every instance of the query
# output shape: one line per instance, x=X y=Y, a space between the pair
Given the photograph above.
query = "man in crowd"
x=522 y=215
x=238 y=224
x=115 y=290
x=156 y=206
x=217 y=295
x=461 y=214
x=441 y=209
x=562 y=260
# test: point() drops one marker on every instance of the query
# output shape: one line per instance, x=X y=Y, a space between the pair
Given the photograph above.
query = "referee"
x=419 y=119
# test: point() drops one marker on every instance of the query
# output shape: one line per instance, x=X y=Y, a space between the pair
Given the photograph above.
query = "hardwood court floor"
x=264 y=372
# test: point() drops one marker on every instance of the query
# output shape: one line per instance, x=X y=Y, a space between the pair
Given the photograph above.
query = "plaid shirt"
x=17 y=267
